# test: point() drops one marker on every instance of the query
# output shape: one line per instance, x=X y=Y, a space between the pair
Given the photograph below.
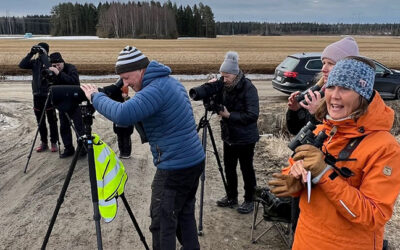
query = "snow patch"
x=7 y=122
x=44 y=37
x=178 y=77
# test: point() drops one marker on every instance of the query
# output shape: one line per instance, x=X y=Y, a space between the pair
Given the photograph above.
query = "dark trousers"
x=173 y=199
x=38 y=106
x=244 y=154
x=65 y=129
x=124 y=138
x=295 y=212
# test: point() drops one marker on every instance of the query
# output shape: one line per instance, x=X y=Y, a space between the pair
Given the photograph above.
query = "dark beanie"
x=44 y=46
x=130 y=59
x=56 y=57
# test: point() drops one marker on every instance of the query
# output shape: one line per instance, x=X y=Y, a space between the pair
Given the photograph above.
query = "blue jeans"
x=173 y=199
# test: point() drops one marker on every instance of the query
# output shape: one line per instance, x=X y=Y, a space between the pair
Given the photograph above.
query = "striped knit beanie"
x=130 y=59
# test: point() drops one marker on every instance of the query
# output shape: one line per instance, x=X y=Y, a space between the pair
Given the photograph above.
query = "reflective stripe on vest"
x=108 y=209
x=110 y=177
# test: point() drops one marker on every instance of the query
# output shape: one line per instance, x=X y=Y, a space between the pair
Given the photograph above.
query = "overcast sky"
x=321 y=11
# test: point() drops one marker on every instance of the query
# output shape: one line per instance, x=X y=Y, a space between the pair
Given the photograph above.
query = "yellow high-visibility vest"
x=110 y=176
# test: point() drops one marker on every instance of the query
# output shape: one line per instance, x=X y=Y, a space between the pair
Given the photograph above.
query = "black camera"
x=67 y=97
x=275 y=209
x=211 y=94
x=300 y=97
x=49 y=75
x=306 y=136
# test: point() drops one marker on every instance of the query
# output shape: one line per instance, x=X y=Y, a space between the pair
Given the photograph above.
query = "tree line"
x=277 y=29
x=163 y=21
x=118 y=20
x=37 y=24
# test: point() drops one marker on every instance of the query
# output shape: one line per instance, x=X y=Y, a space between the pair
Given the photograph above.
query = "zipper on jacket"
x=159 y=154
x=331 y=134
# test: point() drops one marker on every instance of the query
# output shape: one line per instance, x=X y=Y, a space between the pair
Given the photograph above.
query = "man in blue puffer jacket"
x=162 y=105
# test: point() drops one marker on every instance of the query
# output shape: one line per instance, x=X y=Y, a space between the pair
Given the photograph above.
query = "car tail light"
x=290 y=74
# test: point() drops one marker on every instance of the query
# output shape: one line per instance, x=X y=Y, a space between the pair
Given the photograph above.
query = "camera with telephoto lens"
x=275 y=209
x=306 y=136
x=49 y=75
x=211 y=94
x=300 y=97
x=66 y=97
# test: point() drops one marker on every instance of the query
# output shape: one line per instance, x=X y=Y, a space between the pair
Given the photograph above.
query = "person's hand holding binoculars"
x=38 y=49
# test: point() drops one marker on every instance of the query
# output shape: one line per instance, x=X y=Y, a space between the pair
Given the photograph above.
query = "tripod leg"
x=202 y=179
x=60 y=199
x=73 y=128
x=128 y=208
x=93 y=187
x=217 y=157
x=37 y=131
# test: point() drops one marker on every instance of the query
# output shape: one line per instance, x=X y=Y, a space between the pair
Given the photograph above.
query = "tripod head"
x=87 y=111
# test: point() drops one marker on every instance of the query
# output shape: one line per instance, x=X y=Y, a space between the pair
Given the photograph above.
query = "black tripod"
x=87 y=111
x=204 y=124
x=37 y=131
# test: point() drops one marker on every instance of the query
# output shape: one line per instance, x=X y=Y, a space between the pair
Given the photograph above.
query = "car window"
x=289 y=63
x=379 y=69
x=314 y=64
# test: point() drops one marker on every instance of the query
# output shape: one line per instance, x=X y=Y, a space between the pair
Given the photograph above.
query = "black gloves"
x=34 y=49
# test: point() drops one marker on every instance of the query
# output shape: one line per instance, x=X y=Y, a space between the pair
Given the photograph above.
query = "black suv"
x=299 y=72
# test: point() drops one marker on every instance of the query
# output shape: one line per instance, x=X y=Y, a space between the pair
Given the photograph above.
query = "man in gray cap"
x=162 y=104
x=238 y=131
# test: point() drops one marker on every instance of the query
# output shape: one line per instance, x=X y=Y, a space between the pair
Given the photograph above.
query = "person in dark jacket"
x=123 y=132
x=239 y=132
x=40 y=90
x=162 y=104
x=67 y=74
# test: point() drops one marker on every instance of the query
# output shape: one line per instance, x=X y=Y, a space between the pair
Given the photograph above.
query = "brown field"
x=258 y=54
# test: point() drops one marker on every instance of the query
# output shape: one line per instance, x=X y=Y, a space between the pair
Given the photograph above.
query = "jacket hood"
x=155 y=70
x=378 y=117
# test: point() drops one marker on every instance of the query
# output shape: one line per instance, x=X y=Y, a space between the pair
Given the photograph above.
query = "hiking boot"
x=43 y=146
x=246 y=207
x=227 y=202
x=124 y=156
x=67 y=152
x=54 y=147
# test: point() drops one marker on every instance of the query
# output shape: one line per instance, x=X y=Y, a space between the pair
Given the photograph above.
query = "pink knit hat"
x=341 y=49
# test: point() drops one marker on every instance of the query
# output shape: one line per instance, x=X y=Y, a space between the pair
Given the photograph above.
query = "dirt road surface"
x=28 y=200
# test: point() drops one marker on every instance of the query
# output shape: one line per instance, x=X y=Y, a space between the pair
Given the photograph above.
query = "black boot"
x=227 y=202
x=125 y=148
x=68 y=151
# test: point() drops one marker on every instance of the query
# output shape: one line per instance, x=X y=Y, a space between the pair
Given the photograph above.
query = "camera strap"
x=350 y=147
x=344 y=156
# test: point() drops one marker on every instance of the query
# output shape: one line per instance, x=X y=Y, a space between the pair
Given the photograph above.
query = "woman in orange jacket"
x=346 y=212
